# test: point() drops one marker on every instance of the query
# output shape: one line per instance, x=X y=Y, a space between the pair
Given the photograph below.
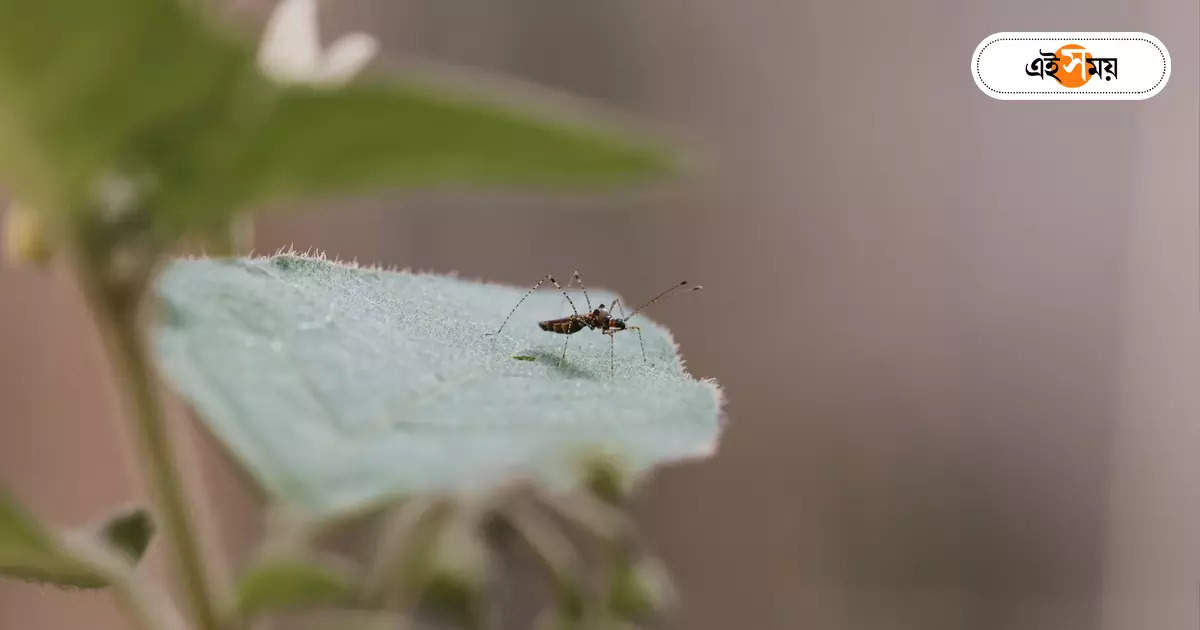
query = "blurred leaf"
x=338 y=387
x=405 y=550
x=640 y=589
x=556 y=554
x=147 y=104
x=30 y=552
x=605 y=477
x=458 y=570
x=283 y=583
x=129 y=532
x=401 y=136
x=93 y=89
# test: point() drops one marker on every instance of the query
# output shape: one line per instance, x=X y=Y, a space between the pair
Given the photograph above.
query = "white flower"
x=291 y=48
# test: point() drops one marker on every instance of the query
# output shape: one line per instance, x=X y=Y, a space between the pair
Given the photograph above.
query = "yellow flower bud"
x=26 y=238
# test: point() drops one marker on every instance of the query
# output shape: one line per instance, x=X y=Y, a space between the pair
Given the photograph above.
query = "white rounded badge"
x=1071 y=66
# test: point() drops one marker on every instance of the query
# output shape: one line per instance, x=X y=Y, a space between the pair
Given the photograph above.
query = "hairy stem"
x=146 y=607
x=117 y=311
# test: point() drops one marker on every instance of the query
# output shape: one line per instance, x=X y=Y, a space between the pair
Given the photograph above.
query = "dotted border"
x=979 y=58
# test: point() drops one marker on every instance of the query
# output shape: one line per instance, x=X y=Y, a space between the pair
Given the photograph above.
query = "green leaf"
x=283 y=583
x=31 y=552
x=135 y=88
x=339 y=387
x=149 y=102
x=129 y=532
x=405 y=135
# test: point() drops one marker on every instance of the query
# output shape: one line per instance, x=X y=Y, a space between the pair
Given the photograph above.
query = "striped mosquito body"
x=599 y=318
x=564 y=326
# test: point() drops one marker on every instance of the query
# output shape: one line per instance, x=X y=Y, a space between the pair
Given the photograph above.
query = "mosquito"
x=599 y=318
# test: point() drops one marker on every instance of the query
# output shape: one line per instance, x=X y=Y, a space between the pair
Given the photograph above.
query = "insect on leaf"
x=339 y=387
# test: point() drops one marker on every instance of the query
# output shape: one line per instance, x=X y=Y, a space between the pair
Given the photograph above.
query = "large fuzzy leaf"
x=338 y=386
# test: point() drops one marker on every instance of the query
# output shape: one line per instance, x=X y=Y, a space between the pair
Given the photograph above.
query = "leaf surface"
x=338 y=387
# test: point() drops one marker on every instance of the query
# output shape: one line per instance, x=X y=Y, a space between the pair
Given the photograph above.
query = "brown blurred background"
x=959 y=337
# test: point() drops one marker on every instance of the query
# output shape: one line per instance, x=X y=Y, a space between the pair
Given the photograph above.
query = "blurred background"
x=959 y=337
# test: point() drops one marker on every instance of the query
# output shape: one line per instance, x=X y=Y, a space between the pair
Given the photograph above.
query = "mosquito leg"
x=612 y=364
x=521 y=301
x=548 y=278
x=563 y=360
x=564 y=292
x=641 y=342
x=615 y=305
x=576 y=278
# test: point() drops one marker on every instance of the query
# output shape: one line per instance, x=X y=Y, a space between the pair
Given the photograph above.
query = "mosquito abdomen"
x=564 y=326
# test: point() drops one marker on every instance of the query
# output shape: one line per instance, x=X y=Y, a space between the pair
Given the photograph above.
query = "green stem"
x=146 y=607
x=156 y=453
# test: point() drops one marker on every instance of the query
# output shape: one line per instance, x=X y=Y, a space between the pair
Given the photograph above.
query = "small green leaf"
x=605 y=477
x=129 y=531
x=283 y=583
x=338 y=387
x=639 y=589
x=30 y=552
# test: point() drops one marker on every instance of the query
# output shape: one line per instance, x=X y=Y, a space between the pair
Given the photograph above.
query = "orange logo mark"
x=1074 y=70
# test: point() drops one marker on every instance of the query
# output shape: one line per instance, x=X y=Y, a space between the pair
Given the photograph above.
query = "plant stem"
x=146 y=607
x=155 y=449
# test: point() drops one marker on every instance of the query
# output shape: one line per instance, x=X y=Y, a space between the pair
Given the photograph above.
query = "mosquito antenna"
x=663 y=295
x=549 y=278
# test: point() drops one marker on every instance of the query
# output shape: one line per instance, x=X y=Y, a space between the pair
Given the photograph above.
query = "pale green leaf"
x=339 y=387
